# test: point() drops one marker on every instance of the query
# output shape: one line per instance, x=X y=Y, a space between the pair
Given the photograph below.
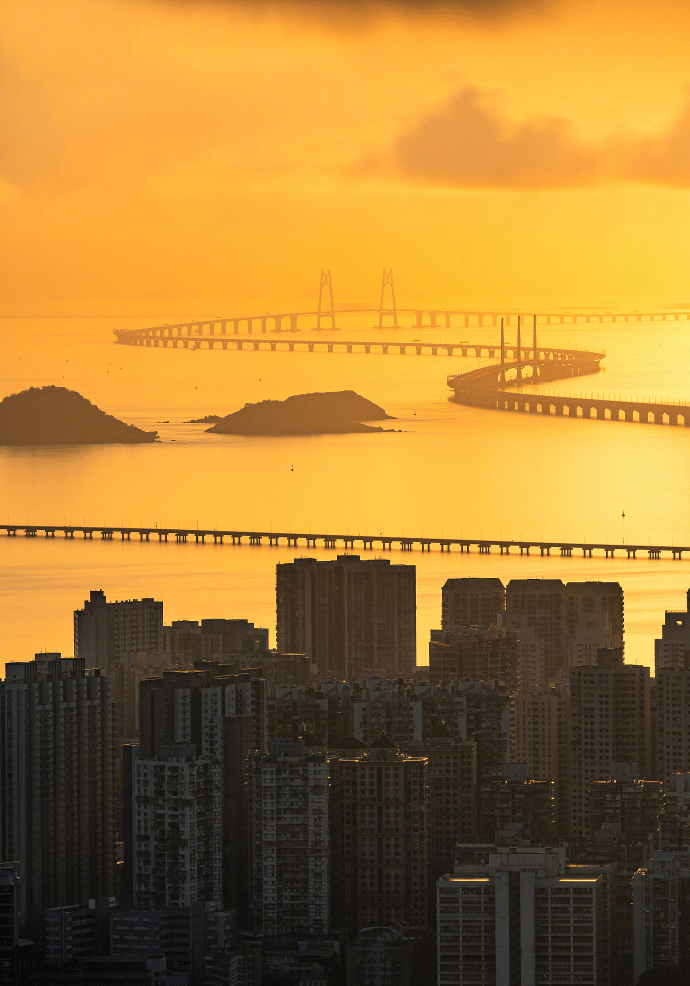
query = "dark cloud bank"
x=467 y=144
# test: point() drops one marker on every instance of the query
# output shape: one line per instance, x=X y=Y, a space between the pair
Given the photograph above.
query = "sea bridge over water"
x=347 y=541
x=485 y=387
x=208 y=332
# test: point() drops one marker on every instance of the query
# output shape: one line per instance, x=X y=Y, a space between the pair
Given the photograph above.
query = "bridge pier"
x=586 y=552
x=144 y=535
x=30 y=532
x=632 y=552
x=505 y=548
x=180 y=537
x=484 y=549
x=255 y=539
x=610 y=552
x=200 y=537
x=406 y=546
x=327 y=542
x=106 y=535
x=445 y=546
x=677 y=554
x=219 y=538
x=654 y=553
x=544 y=550
x=524 y=548
x=237 y=539
x=566 y=552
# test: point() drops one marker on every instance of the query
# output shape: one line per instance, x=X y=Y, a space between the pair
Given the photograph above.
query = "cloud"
x=467 y=144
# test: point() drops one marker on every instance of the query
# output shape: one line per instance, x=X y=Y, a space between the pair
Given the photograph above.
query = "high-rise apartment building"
x=540 y=722
x=190 y=640
x=174 y=822
x=672 y=722
x=621 y=815
x=9 y=924
x=350 y=616
x=609 y=723
x=223 y=717
x=289 y=851
x=672 y=651
x=452 y=773
x=539 y=606
x=594 y=618
x=379 y=838
x=674 y=815
x=517 y=810
x=521 y=918
x=104 y=631
x=484 y=716
x=490 y=654
x=56 y=781
x=472 y=603
x=661 y=914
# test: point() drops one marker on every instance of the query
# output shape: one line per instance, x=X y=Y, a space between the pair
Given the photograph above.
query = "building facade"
x=520 y=919
x=349 y=616
x=379 y=838
x=56 y=781
x=289 y=862
x=472 y=603
x=104 y=631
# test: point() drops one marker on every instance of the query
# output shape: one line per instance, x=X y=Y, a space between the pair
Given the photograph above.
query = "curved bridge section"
x=483 y=387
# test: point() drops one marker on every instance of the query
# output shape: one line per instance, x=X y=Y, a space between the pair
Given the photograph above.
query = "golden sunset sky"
x=159 y=154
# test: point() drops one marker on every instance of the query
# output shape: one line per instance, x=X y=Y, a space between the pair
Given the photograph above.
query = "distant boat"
x=623 y=514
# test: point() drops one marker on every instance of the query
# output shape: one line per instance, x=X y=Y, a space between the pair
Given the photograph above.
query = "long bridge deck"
x=382 y=542
x=399 y=318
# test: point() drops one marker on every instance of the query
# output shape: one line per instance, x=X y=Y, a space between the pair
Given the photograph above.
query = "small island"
x=339 y=412
x=58 y=416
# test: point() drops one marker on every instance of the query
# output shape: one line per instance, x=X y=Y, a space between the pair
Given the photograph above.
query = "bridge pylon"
x=326 y=285
x=502 y=372
x=387 y=281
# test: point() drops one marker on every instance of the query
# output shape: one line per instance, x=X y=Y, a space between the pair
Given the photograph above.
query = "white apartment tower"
x=520 y=919
x=288 y=798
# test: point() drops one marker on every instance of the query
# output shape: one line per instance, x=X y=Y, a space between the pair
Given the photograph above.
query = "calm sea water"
x=449 y=470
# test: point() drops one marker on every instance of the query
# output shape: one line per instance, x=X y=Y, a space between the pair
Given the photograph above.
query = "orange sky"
x=161 y=154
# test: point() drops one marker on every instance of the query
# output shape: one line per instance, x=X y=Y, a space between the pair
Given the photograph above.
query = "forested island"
x=337 y=412
x=58 y=416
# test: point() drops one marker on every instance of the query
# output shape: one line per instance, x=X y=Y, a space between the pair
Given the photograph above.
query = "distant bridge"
x=383 y=542
x=209 y=331
x=484 y=387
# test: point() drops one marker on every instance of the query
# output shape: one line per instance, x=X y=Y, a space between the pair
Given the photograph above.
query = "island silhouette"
x=58 y=416
x=336 y=412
